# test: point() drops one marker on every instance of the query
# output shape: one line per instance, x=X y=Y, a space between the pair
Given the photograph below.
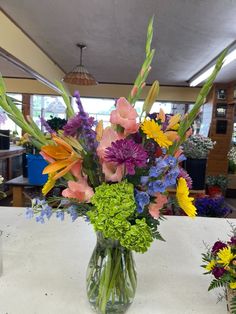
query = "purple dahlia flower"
x=218 y=272
x=218 y=246
x=128 y=153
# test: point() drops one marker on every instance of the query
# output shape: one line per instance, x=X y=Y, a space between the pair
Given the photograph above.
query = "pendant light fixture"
x=80 y=75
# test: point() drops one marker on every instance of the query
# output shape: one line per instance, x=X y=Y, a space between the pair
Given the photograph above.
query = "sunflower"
x=153 y=130
x=184 y=201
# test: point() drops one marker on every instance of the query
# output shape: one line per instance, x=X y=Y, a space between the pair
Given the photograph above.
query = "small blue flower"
x=171 y=176
x=171 y=161
x=155 y=172
x=142 y=199
x=72 y=211
x=144 y=180
x=29 y=213
x=161 y=163
x=46 y=210
x=156 y=186
x=60 y=215
x=40 y=219
x=181 y=158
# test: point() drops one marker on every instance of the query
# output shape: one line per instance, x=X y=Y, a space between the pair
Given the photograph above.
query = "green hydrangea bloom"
x=114 y=204
x=139 y=237
x=114 y=208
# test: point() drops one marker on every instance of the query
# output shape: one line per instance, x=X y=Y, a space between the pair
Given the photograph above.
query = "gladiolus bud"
x=99 y=130
x=134 y=91
x=151 y=97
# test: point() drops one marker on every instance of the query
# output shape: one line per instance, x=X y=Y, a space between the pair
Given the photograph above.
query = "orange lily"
x=161 y=115
x=174 y=122
x=63 y=155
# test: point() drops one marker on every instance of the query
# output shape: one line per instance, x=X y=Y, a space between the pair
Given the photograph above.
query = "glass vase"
x=111 y=277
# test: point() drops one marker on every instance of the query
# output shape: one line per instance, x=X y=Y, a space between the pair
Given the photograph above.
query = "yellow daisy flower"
x=232 y=285
x=225 y=255
x=184 y=201
x=210 y=265
x=153 y=130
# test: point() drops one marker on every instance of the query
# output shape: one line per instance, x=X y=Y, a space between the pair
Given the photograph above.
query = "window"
x=5 y=122
x=47 y=106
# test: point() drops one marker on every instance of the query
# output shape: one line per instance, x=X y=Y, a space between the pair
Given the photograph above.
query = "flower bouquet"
x=220 y=261
x=117 y=178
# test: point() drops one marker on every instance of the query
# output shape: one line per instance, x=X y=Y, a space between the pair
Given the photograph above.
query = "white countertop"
x=45 y=266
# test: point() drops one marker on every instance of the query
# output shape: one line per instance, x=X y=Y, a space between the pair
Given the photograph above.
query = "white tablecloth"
x=44 y=267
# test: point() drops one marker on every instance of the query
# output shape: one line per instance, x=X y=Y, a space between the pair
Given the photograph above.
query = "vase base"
x=111 y=308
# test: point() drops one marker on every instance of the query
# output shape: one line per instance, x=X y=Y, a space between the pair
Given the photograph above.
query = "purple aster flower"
x=218 y=272
x=46 y=125
x=185 y=175
x=218 y=246
x=142 y=199
x=128 y=153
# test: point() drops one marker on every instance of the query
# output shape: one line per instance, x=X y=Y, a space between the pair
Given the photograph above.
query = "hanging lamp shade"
x=80 y=75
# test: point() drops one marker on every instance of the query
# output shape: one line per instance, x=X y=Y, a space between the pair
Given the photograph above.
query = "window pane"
x=5 y=122
x=47 y=107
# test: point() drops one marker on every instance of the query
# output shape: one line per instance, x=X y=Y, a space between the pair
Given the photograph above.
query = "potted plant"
x=208 y=206
x=232 y=160
x=216 y=185
x=196 y=149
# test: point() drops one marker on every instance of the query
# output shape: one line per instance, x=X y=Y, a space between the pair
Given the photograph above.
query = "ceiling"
x=188 y=35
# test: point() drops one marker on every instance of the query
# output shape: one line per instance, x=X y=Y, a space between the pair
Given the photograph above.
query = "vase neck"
x=107 y=242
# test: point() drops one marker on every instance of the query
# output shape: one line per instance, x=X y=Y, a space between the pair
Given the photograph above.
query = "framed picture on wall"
x=221 y=110
x=221 y=126
x=221 y=94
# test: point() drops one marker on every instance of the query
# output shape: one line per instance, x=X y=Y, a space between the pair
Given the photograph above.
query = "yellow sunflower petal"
x=153 y=130
x=184 y=201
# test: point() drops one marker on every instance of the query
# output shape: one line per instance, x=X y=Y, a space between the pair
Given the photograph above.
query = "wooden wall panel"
x=217 y=160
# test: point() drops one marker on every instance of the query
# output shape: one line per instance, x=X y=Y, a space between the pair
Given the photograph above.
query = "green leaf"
x=2 y=86
x=67 y=99
x=217 y=283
